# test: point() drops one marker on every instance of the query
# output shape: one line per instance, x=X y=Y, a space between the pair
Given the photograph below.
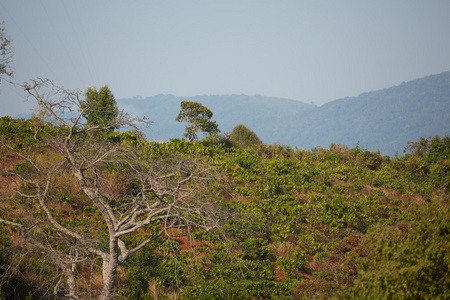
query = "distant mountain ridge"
x=256 y=112
x=382 y=120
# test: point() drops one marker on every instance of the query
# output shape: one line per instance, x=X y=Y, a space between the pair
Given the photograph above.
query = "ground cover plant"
x=334 y=223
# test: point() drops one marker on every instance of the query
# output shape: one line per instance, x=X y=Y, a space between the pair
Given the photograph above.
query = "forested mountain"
x=382 y=120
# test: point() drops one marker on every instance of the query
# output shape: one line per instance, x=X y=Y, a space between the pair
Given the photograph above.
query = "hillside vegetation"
x=338 y=222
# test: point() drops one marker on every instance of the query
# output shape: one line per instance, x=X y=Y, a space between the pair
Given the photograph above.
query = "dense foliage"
x=100 y=106
x=241 y=136
x=325 y=223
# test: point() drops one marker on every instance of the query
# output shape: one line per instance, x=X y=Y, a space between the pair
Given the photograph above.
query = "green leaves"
x=198 y=117
x=100 y=108
x=255 y=248
x=243 y=137
x=407 y=263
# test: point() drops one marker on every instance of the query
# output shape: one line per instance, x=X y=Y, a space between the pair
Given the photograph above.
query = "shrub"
x=243 y=137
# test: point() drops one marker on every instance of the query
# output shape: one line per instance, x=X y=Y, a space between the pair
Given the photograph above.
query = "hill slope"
x=288 y=224
x=382 y=120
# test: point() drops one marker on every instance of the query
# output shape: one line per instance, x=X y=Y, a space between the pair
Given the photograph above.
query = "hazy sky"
x=312 y=51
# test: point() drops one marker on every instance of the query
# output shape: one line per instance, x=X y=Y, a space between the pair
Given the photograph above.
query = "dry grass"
x=115 y=183
x=155 y=287
x=283 y=249
x=173 y=295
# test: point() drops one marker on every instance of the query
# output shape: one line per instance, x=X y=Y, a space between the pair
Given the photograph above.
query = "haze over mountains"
x=382 y=120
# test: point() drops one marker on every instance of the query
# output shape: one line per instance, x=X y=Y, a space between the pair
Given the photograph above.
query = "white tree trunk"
x=110 y=263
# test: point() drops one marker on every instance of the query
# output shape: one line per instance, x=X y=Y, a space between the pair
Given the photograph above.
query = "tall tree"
x=6 y=53
x=100 y=107
x=154 y=195
x=199 y=118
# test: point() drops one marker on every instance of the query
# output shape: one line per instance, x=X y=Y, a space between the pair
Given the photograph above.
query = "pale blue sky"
x=312 y=51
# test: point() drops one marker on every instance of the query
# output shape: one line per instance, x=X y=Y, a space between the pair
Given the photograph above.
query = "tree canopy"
x=431 y=148
x=241 y=136
x=99 y=107
x=199 y=118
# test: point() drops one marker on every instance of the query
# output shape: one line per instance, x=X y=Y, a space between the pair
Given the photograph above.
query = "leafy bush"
x=243 y=137
x=412 y=263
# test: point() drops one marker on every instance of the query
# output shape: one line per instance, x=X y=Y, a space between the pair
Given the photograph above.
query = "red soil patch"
x=279 y=274
x=183 y=240
x=7 y=184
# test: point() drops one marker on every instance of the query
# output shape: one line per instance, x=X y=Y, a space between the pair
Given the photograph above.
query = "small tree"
x=154 y=195
x=198 y=117
x=241 y=136
x=432 y=149
x=99 y=107
x=6 y=53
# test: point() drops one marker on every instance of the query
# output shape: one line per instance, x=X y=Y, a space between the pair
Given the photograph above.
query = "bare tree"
x=156 y=195
x=6 y=53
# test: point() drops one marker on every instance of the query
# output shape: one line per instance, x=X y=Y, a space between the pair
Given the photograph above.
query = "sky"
x=311 y=51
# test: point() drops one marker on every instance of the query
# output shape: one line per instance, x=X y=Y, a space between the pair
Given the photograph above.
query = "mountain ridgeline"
x=383 y=120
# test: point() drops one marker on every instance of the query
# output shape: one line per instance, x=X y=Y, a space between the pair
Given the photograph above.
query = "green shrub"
x=243 y=137
x=409 y=263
